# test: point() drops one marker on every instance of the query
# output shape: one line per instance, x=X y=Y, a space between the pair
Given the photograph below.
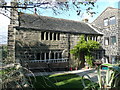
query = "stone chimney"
x=14 y=15
x=85 y=20
x=11 y=32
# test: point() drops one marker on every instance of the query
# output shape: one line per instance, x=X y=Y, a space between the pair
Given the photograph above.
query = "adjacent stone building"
x=40 y=42
x=108 y=23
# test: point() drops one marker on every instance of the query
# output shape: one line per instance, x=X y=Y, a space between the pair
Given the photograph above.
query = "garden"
x=14 y=76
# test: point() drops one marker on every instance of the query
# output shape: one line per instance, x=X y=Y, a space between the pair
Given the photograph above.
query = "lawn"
x=59 y=81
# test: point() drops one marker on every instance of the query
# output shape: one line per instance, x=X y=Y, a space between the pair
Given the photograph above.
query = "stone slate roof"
x=54 y=24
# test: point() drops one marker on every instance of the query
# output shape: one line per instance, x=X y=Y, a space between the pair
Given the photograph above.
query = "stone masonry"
x=112 y=47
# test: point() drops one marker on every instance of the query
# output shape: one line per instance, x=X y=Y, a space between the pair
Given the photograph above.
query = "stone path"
x=91 y=72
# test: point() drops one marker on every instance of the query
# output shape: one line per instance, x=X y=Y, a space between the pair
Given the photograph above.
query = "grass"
x=107 y=64
x=59 y=81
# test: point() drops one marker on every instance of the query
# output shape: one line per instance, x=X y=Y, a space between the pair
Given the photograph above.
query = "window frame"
x=111 y=40
x=108 y=41
x=111 y=19
x=106 y=22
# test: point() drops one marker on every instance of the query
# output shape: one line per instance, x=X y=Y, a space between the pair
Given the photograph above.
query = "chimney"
x=14 y=14
x=85 y=20
x=35 y=11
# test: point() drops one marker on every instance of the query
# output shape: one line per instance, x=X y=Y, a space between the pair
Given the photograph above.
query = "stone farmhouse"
x=108 y=22
x=40 y=42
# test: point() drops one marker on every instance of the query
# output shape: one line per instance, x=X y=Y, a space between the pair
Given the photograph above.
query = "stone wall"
x=109 y=30
x=26 y=44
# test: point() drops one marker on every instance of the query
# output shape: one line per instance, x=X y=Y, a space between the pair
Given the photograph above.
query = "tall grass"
x=13 y=76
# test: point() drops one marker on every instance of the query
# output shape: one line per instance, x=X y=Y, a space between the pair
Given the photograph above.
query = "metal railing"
x=49 y=60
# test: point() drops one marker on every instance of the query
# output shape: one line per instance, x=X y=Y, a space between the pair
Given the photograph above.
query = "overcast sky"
x=101 y=5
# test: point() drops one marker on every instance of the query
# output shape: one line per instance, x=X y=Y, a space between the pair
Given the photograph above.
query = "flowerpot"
x=76 y=68
x=70 y=68
x=87 y=67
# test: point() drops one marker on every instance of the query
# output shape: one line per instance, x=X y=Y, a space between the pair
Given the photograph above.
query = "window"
x=60 y=55
x=42 y=35
x=46 y=35
x=113 y=59
x=85 y=37
x=106 y=40
x=58 y=36
x=113 y=40
x=106 y=22
x=54 y=36
x=38 y=56
x=52 y=55
x=50 y=36
x=42 y=56
x=47 y=55
x=56 y=55
x=112 y=20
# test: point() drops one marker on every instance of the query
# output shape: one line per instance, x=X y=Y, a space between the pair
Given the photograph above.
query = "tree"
x=57 y=6
x=83 y=49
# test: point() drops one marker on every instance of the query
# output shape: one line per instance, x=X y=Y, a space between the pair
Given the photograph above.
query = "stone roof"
x=55 y=24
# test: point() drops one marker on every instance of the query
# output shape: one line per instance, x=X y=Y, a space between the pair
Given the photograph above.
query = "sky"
x=100 y=6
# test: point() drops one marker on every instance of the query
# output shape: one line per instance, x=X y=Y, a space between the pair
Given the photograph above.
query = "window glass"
x=42 y=56
x=106 y=42
x=106 y=22
x=50 y=36
x=52 y=55
x=113 y=59
x=46 y=35
x=42 y=35
x=112 y=21
x=113 y=40
x=58 y=36
x=47 y=55
x=54 y=36
x=38 y=56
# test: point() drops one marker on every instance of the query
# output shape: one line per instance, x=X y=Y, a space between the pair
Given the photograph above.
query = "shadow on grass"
x=59 y=81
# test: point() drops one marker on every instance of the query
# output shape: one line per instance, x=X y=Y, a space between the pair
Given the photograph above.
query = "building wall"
x=119 y=32
x=111 y=50
x=32 y=45
x=31 y=39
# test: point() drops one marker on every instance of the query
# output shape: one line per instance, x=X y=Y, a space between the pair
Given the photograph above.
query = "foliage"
x=13 y=76
x=79 y=47
x=3 y=50
x=89 y=60
x=91 y=86
x=55 y=6
x=110 y=80
x=85 y=47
